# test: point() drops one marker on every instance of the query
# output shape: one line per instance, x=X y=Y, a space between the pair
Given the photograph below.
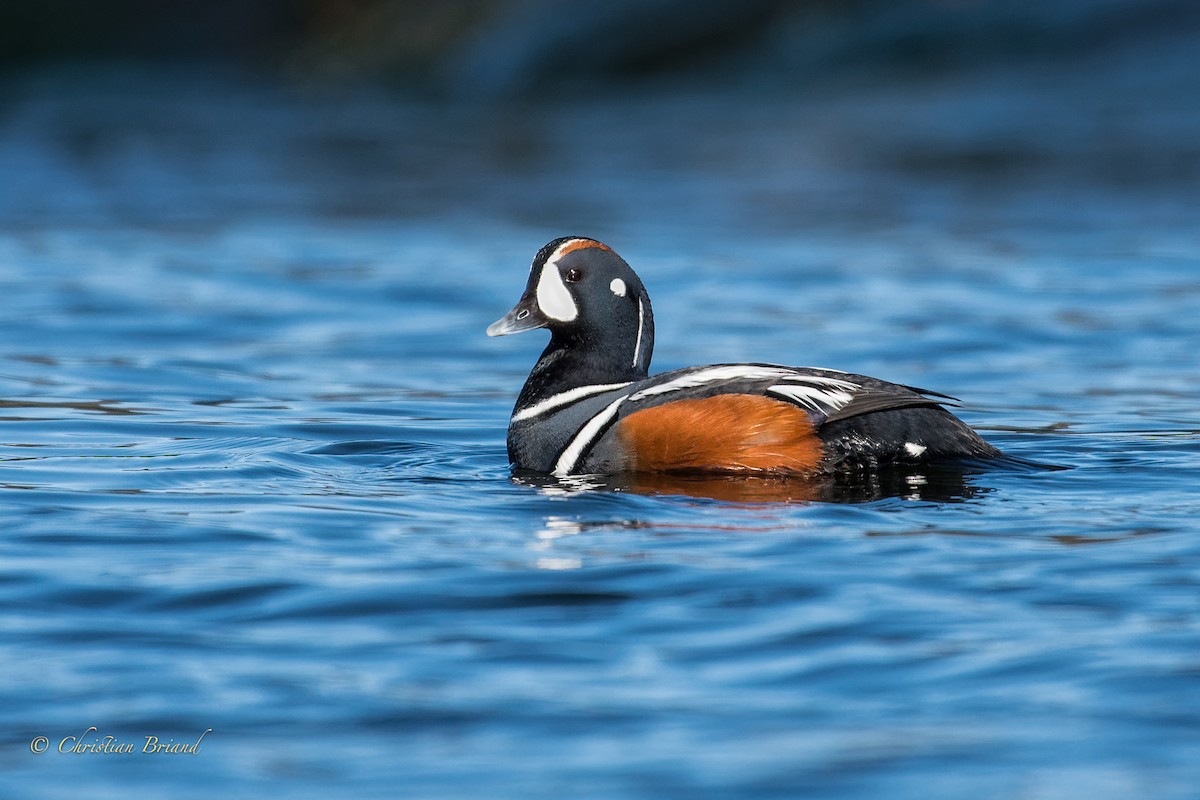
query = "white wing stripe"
x=564 y=398
x=587 y=434
x=714 y=375
x=837 y=387
x=818 y=380
x=813 y=397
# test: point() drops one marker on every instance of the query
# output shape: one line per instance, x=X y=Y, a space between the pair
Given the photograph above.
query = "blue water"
x=253 y=472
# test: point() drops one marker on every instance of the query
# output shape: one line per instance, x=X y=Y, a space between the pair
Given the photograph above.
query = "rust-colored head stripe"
x=572 y=245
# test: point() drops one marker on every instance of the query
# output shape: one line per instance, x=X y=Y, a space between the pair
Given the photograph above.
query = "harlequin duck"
x=590 y=406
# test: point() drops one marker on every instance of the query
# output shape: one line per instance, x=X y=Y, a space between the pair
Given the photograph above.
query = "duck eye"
x=573 y=275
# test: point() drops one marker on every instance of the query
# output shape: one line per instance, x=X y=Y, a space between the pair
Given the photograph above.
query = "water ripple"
x=253 y=474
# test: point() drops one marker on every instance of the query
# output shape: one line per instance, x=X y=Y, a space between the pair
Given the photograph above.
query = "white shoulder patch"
x=563 y=399
x=586 y=436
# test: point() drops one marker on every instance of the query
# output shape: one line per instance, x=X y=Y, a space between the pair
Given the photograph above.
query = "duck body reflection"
x=953 y=482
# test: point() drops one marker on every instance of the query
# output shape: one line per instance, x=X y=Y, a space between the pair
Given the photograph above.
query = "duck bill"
x=525 y=316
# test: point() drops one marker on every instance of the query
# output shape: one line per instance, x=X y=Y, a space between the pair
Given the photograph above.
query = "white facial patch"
x=618 y=287
x=553 y=298
x=913 y=449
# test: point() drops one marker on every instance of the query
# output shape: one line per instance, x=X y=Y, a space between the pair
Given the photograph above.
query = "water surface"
x=253 y=477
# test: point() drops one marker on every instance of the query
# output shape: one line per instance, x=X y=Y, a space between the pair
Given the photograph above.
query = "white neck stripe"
x=586 y=437
x=637 y=348
x=564 y=398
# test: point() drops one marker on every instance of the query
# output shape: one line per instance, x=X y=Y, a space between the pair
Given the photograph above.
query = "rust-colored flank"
x=727 y=432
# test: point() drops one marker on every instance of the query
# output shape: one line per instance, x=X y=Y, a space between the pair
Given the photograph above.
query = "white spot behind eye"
x=914 y=449
x=618 y=287
x=553 y=297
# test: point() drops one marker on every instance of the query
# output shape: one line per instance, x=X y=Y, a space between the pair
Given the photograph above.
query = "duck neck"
x=575 y=359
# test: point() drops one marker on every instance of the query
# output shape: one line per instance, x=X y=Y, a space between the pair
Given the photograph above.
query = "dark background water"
x=252 y=471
